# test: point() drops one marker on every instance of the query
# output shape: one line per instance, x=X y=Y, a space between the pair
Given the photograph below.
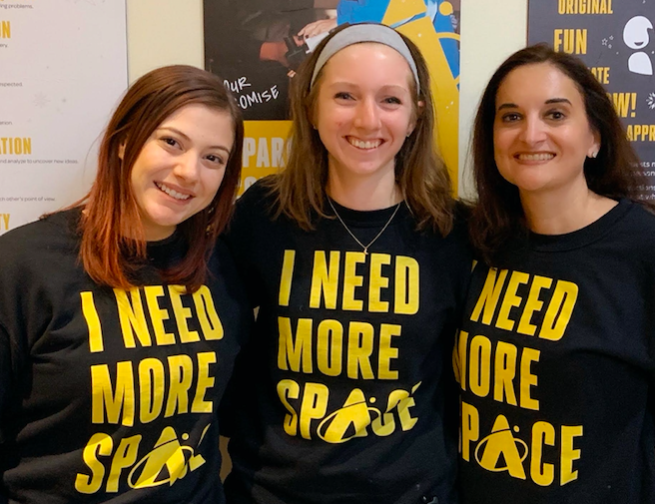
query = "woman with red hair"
x=115 y=341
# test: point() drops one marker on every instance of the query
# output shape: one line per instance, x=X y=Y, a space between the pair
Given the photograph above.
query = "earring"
x=593 y=154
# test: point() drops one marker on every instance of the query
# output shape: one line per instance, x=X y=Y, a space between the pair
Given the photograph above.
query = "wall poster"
x=256 y=45
x=615 y=38
x=63 y=67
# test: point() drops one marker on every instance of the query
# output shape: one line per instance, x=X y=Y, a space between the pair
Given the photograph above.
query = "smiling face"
x=635 y=32
x=364 y=110
x=180 y=167
x=541 y=130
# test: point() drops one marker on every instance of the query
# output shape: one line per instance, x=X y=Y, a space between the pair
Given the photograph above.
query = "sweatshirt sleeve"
x=6 y=379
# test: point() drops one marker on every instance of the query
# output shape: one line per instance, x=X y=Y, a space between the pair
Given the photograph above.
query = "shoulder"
x=55 y=233
x=221 y=255
x=453 y=251
x=633 y=235
x=259 y=196
x=636 y=223
x=639 y=213
x=461 y=217
x=459 y=235
x=222 y=264
x=254 y=211
x=39 y=263
x=462 y=211
x=226 y=280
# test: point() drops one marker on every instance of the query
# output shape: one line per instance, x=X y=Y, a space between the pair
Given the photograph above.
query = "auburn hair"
x=421 y=174
x=614 y=173
x=113 y=245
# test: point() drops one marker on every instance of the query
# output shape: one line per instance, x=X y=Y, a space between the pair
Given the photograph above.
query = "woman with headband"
x=358 y=266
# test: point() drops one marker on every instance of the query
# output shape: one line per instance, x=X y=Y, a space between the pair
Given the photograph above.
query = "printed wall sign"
x=257 y=45
x=63 y=66
x=617 y=42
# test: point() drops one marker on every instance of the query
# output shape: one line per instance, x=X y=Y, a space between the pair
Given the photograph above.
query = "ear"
x=121 y=151
x=420 y=107
x=595 y=147
x=312 y=116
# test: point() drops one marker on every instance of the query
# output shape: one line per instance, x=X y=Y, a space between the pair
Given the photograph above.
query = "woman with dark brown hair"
x=359 y=267
x=116 y=341
x=556 y=356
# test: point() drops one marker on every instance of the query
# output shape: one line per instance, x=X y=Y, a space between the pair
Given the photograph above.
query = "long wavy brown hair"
x=420 y=172
x=113 y=245
x=498 y=215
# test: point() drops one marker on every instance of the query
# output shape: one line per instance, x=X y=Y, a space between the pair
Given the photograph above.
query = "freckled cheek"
x=338 y=118
x=212 y=179
x=399 y=122
x=148 y=165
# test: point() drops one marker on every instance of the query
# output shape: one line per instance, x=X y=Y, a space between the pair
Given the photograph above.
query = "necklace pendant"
x=366 y=251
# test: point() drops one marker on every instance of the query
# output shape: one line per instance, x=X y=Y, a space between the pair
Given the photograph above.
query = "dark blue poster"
x=615 y=38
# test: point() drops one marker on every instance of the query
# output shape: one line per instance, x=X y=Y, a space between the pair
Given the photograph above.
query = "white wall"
x=491 y=31
x=164 y=32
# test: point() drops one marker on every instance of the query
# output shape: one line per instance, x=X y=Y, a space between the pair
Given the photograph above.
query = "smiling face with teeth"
x=541 y=131
x=180 y=167
x=364 y=111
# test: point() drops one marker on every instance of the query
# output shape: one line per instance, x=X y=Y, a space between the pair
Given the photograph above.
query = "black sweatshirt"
x=556 y=360
x=345 y=394
x=107 y=395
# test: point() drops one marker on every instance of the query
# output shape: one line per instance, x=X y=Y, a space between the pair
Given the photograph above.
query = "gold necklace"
x=365 y=247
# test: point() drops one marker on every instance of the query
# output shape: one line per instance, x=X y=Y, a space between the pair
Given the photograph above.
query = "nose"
x=367 y=115
x=533 y=131
x=187 y=167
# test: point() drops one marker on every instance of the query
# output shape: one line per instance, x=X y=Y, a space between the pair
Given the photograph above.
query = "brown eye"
x=510 y=117
x=216 y=159
x=170 y=141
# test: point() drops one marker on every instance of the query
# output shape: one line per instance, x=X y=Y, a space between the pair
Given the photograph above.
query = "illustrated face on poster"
x=617 y=42
x=257 y=45
x=636 y=36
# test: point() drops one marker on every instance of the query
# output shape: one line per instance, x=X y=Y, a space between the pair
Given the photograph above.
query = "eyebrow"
x=175 y=130
x=547 y=102
x=387 y=87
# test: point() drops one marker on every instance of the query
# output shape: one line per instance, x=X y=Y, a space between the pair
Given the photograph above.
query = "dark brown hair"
x=420 y=171
x=614 y=173
x=113 y=243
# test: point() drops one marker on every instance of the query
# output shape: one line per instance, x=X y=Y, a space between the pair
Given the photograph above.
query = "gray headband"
x=359 y=33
